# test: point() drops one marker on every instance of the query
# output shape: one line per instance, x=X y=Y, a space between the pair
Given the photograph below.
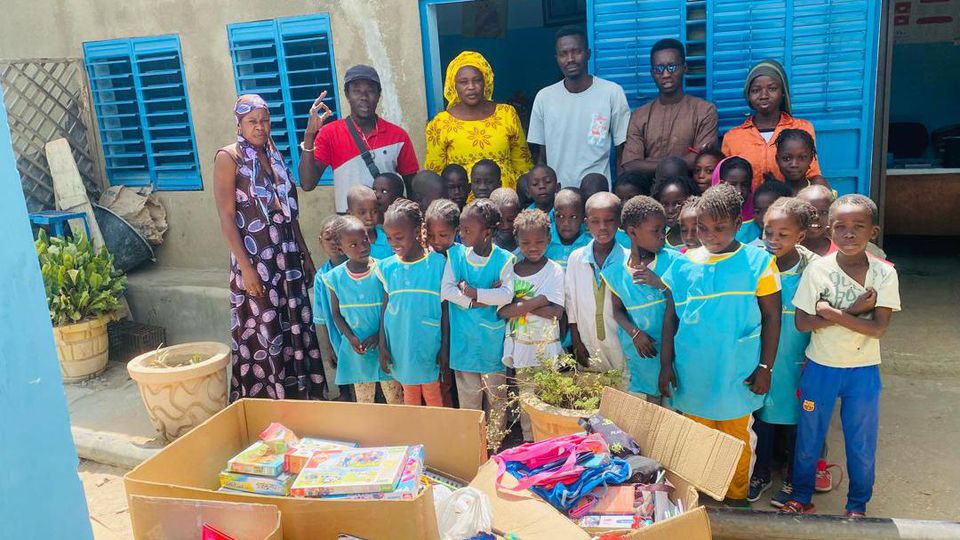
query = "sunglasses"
x=660 y=68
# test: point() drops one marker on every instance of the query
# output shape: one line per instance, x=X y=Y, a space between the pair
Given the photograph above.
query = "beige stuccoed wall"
x=382 y=33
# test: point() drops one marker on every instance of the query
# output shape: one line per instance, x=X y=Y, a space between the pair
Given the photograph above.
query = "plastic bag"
x=464 y=514
x=620 y=442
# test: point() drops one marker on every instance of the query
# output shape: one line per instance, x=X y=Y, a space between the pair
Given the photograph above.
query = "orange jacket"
x=745 y=141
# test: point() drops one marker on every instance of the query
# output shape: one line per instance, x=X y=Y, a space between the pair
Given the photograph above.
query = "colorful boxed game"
x=261 y=485
x=360 y=470
x=410 y=480
x=257 y=459
x=279 y=438
x=297 y=457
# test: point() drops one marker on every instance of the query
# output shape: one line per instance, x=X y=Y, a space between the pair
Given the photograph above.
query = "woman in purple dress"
x=275 y=352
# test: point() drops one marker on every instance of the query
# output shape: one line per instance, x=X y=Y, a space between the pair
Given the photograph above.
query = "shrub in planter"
x=83 y=292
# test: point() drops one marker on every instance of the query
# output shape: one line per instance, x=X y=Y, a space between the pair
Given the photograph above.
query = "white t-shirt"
x=836 y=346
x=535 y=337
x=577 y=129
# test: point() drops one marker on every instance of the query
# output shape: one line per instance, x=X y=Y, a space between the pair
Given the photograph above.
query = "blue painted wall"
x=924 y=84
x=42 y=494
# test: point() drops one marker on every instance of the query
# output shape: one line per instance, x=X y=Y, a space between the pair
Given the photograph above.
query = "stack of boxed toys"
x=281 y=464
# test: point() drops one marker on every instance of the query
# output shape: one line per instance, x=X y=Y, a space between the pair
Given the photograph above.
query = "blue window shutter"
x=143 y=112
x=621 y=34
x=287 y=61
x=829 y=50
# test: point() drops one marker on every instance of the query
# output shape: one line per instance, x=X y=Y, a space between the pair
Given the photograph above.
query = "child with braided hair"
x=721 y=328
x=412 y=333
x=476 y=281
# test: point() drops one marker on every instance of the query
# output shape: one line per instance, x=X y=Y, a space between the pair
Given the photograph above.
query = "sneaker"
x=796 y=507
x=824 y=481
x=850 y=514
x=758 y=485
x=781 y=497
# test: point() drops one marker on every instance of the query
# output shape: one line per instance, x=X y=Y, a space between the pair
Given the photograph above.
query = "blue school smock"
x=476 y=334
x=645 y=305
x=321 y=304
x=749 y=231
x=781 y=405
x=411 y=321
x=717 y=343
x=379 y=248
x=622 y=239
x=361 y=300
x=559 y=252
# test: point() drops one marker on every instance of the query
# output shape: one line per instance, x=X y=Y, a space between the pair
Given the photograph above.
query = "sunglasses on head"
x=660 y=68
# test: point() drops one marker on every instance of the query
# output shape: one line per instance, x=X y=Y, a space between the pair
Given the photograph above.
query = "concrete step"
x=191 y=304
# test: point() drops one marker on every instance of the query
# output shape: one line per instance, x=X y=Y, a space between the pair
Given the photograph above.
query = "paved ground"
x=918 y=470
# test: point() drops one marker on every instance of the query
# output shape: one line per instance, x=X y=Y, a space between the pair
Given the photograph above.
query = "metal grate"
x=129 y=339
x=47 y=99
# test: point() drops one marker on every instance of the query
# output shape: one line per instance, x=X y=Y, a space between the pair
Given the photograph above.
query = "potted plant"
x=83 y=293
x=555 y=395
x=183 y=385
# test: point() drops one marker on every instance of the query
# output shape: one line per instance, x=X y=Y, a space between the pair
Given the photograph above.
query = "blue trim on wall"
x=430 y=41
x=42 y=493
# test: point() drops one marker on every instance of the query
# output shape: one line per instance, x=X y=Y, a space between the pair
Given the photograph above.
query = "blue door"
x=828 y=47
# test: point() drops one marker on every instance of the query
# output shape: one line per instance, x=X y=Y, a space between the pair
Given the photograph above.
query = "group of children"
x=748 y=310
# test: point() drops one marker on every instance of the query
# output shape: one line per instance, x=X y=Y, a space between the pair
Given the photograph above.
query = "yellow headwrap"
x=472 y=59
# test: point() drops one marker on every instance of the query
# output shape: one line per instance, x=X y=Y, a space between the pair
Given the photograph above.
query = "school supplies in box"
x=259 y=459
x=361 y=470
x=279 y=438
x=435 y=478
x=297 y=457
x=609 y=521
x=209 y=532
x=410 y=480
x=614 y=500
x=251 y=483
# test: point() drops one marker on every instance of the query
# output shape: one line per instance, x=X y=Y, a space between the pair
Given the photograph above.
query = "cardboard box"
x=695 y=456
x=454 y=442
x=158 y=518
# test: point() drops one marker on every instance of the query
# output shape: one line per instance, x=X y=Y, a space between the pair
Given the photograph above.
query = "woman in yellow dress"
x=474 y=127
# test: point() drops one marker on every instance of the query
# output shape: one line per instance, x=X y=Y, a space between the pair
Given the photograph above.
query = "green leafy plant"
x=563 y=383
x=79 y=283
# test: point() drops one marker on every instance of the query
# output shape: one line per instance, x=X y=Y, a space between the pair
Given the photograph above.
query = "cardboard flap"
x=700 y=455
x=521 y=512
x=161 y=517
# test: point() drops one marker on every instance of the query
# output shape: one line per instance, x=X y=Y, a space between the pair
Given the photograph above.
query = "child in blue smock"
x=476 y=281
x=721 y=328
x=442 y=228
x=542 y=187
x=412 y=331
x=362 y=204
x=327 y=334
x=508 y=202
x=738 y=172
x=785 y=224
x=568 y=231
x=638 y=298
x=356 y=298
x=672 y=192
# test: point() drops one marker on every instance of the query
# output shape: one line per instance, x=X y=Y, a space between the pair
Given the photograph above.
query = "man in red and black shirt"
x=334 y=146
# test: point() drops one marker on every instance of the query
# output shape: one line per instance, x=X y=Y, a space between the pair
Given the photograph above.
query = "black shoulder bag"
x=362 y=146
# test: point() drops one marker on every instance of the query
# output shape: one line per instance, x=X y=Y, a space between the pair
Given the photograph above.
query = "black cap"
x=361 y=72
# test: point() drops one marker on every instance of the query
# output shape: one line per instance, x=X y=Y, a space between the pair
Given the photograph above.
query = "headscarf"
x=771 y=68
x=746 y=211
x=261 y=190
x=472 y=59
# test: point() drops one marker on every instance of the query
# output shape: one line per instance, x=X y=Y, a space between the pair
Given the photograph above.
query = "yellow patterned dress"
x=498 y=137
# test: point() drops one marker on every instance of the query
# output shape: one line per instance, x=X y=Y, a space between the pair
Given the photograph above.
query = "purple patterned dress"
x=274 y=343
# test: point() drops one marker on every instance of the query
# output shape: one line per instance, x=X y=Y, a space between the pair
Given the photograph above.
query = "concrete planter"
x=82 y=348
x=180 y=398
x=548 y=421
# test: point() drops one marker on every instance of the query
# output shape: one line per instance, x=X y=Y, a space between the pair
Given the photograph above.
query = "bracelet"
x=764 y=366
x=305 y=149
x=635 y=334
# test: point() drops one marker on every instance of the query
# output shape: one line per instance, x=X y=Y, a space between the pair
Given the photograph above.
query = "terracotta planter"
x=548 y=421
x=180 y=398
x=82 y=348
